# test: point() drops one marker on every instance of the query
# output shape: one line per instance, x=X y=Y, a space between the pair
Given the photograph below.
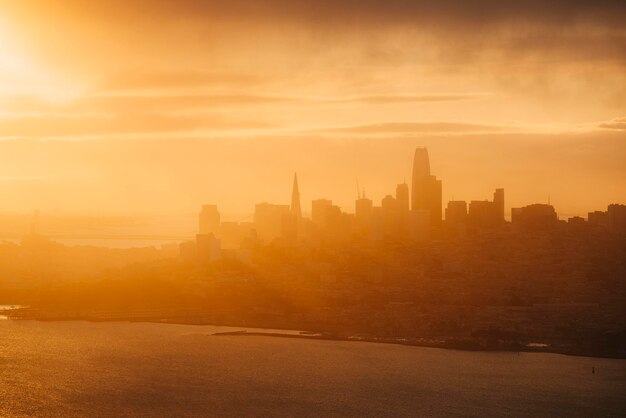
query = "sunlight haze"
x=161 y=105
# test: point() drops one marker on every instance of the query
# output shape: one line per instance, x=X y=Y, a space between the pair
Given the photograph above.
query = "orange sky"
x=151 y=106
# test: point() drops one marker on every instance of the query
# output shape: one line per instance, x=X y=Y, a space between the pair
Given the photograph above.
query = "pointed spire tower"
x=295 y=198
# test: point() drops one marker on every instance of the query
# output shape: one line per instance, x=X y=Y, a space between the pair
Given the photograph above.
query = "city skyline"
x=425 y=194
x=412 y=215
x=293 y=208
x=420 y=167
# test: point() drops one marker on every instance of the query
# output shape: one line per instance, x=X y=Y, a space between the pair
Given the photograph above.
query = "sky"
x=160 y=106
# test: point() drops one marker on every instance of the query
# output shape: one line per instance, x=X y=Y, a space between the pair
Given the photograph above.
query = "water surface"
x=60 y=369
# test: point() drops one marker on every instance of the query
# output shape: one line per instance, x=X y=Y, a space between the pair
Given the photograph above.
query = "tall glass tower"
x=426 y=189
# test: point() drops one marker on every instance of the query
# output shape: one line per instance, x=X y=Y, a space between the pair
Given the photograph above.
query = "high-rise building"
x=402 y=197
x=597 y=218
x=208 y=248
x=391 y=224
x=426 y=188
x=271 y=221
x=498 y=200
x=616 y=217
x=319 y=211
x=421 y=163
x=209 y=220
x=456 y=212
x=232 y=234
x=363 y=214
x=456 y=218
x=403 y=207
x=483 y=214
x=363 y=209
x=329 y=221
x=535 y=217
x=296 y=211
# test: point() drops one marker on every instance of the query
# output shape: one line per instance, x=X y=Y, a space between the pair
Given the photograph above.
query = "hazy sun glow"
x=11 y=64
x=513 y=90
x=21 y=75
x=312 y=208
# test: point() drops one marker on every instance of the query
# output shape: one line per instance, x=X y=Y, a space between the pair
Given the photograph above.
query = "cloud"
x=331 y=63
x=616 y=124
x=392 y=128
x=144 y=103
x=183 y=79
x=475 y=13
x=161 y=103
x=68 y=126
x=405 y=98
x=119 y=104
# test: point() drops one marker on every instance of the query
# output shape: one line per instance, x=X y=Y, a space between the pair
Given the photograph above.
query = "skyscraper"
x=363 y=215
x=456 y=212
x=426 y=190
x=421 y=163
x=402 y=197
x=319 y=211
x=271 y=221
x=391 y=221
x=209 y=220
x=483 y=214
x=295 y=198
x=498 y=200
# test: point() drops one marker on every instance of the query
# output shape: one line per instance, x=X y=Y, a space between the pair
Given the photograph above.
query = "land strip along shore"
x=259 y=328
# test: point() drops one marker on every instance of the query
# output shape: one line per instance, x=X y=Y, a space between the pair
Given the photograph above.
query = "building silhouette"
x=363 y=212
x=616 y=218
x=272 y=221
x=320 y=209
x=498 y=201
x=208 y=248
x=456 y=218
x=485 y=213
x=456 y=213
x=390 y=213
x=535 y=217
x=597 y=218
x=403 y=218
x=482 y=214
x=402 y=197
x=403 y=207
x=426 y=188
x=209 y=220
x=296 y=210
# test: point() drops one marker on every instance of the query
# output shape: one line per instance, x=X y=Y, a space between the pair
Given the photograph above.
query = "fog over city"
x=293 y=208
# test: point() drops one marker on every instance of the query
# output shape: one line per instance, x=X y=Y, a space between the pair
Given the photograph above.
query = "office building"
x=209 y=220
x=426 y=188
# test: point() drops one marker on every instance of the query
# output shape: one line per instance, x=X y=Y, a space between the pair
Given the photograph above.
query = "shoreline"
x=398 y=341
x=449 y=344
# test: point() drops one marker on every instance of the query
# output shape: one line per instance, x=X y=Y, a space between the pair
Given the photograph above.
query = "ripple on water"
x=77 y=368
